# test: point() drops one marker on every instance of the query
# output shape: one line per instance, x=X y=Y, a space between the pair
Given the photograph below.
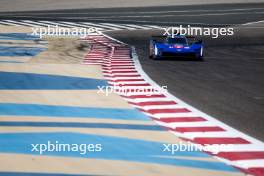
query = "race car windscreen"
x=181 y=41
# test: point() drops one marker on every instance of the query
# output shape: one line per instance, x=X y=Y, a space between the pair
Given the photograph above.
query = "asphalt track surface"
x=220 y=15
x=25 y=5
x=227 y=85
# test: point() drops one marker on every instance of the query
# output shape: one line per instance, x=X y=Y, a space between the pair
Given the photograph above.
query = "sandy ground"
x=94 y=167
x=80 y=98
x=14 y=29
x=62 y=50
x=30 y=5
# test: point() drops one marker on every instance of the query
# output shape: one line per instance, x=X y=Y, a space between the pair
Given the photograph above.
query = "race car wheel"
x=199 y=56
x=151 y=56
x=153 y=53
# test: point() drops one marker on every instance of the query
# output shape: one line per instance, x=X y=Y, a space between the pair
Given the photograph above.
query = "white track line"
x=53 y=23
x=153 y=27
x=254 y=22
x=192 y=135
x=149 y=107
x=107 y=26
x=18 y=23
x=173 y=115
x=116 y=26
x=82 y=25
x=246 y=163
x=137 y=26
x=35 y=23
x=8 y=23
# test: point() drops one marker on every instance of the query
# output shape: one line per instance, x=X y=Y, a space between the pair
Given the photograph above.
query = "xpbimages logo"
x=198 y=31
x=191 y=147
x=59 y=31
x=56 y=146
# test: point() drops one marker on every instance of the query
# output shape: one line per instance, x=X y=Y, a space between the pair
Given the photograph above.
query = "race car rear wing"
x=161 y=39
x=165 y=36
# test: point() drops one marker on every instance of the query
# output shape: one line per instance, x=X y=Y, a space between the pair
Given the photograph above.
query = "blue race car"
x=175 y=46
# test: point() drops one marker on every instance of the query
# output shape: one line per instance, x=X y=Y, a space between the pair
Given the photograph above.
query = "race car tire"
x=151 y=55
x=199 y=56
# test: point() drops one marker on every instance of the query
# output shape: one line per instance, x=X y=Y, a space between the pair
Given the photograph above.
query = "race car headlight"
x=156 y=50
x=201 y=51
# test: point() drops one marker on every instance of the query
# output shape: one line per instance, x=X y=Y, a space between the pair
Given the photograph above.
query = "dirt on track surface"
x=63 y=50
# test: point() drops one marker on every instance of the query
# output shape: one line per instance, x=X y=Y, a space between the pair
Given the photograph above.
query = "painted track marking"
x=178 y=117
